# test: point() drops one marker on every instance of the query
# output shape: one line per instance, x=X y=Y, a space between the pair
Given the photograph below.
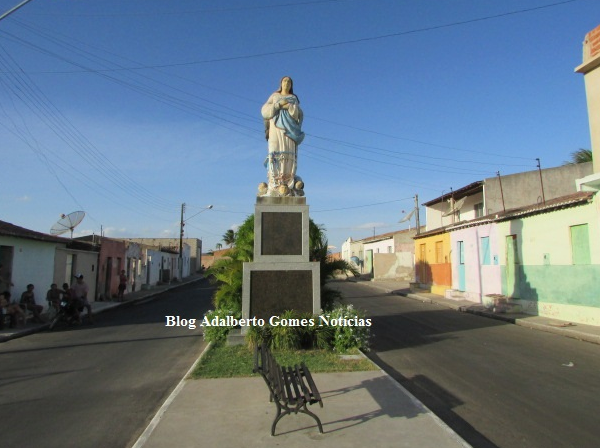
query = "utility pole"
x=417 y=214
x=501 y=191
x=541 y=181
x=181 y=243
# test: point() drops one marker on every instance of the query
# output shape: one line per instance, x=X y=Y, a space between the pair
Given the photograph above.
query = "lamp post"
x=182 y=224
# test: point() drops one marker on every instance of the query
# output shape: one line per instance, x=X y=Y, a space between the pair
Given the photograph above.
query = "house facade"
x=195 y=249
x=33 y=257
x=386 y=256
x=433 y=268
x=550 y=258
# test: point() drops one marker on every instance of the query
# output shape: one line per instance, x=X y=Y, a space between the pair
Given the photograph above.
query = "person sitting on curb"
x=28 y=303
x=11 y=309
x=80 y=288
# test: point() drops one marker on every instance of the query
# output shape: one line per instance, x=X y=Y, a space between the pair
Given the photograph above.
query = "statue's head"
x=289 y=84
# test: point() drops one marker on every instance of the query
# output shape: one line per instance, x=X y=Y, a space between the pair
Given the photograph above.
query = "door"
x=512 y=261
x=462 y=281
x=369 y=261
x=6 y=260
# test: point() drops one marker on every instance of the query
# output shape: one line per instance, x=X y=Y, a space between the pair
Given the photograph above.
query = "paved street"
x=98 y=386
x=495 y=384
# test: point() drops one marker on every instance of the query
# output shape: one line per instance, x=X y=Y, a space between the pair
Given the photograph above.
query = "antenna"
x=455 y=207
x=67 y=222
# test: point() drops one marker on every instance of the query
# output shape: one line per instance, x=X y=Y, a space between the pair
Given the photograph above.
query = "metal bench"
x=291 y=388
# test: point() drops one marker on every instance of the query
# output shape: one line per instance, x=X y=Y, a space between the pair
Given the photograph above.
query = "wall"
x=108 y=274
x=525 y=189
x=33 y=262
x=86 y=263
x=153 y=267
x=429 y=270
x=385 y=246
x=546 y=281
x=479 y=278
x=195 y=251
x=398 y=265
x=434 y=213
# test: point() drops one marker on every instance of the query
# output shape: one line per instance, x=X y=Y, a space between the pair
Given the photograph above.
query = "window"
x=390 y=250
x=478 y=208
x=485 y=250
x=580 y=244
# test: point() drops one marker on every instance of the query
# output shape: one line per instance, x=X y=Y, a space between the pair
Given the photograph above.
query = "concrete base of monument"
x=270 y=288
x=235 y=337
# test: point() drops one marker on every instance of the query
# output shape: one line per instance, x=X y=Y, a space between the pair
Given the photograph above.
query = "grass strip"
x=224 y=361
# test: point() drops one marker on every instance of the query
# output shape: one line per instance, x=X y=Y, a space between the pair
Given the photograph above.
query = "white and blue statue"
x=283 y=130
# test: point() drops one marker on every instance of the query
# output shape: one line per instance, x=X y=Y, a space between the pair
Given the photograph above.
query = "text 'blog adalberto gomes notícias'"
x=274 y=321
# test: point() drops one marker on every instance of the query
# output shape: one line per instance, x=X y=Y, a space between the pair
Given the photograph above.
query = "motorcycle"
x=67 y=312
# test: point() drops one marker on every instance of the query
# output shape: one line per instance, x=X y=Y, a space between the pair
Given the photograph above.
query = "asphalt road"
x=98 y=385
x=496 y=384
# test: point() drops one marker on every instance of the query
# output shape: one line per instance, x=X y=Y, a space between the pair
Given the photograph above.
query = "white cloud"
x=23 y=199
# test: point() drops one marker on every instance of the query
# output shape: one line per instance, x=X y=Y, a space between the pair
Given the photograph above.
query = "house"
x=540 y=257
x=435 y=268
x=195 y=248
x=386 y=256
x=209 y=260
x=33 y=257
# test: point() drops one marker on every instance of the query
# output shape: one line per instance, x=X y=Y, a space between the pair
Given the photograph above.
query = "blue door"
x=462 y=282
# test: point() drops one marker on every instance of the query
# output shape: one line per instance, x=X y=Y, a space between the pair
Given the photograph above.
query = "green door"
x=512 y=260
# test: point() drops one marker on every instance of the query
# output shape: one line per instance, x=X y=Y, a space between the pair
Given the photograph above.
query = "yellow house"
x=432 y=261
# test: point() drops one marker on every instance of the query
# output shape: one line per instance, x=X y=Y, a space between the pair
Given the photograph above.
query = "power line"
x=340 y=43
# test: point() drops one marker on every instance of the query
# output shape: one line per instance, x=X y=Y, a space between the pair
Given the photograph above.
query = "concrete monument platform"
x=281 y=277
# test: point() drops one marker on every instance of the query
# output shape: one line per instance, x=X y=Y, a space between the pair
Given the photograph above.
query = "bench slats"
x=291 y=388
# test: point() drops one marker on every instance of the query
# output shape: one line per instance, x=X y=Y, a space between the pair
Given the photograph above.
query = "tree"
x=219 y=246
x=580 y=156
x=229 y=238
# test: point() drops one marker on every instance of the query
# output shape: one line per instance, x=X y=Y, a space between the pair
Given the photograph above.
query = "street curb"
x=421 y=406
x=152 y=296
x=143 y=438
x=522 y=322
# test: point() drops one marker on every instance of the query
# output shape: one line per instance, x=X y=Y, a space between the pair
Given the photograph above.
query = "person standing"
x=81 y=289
x=122 y=285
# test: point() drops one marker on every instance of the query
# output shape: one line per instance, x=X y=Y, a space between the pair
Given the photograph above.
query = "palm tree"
x=218 y=246
x=580 y=156
x=229 y=237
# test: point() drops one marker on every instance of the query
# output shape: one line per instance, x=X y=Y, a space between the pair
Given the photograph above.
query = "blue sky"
x=127 y=109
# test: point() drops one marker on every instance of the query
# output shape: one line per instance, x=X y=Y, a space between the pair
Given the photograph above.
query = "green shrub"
x=257 y=335
x=286 y=337
x=346 y=338
x=218 y=333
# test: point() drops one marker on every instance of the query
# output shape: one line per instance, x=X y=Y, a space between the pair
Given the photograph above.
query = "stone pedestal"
x=281 y=277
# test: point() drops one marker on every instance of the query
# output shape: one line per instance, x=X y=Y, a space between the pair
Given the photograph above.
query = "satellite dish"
x=457 y=206
x=67 y=222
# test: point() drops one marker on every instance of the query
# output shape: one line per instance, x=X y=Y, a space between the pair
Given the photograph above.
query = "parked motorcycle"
x=67 y=312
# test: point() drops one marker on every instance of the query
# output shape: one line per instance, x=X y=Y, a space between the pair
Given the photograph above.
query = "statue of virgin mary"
x=283 y=129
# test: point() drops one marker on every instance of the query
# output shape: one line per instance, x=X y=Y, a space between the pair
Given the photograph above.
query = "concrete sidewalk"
x=98 y=307
x=588 y=333
x=360 y=409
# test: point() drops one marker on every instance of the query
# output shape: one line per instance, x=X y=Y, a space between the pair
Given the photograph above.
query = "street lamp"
x=182 y=224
